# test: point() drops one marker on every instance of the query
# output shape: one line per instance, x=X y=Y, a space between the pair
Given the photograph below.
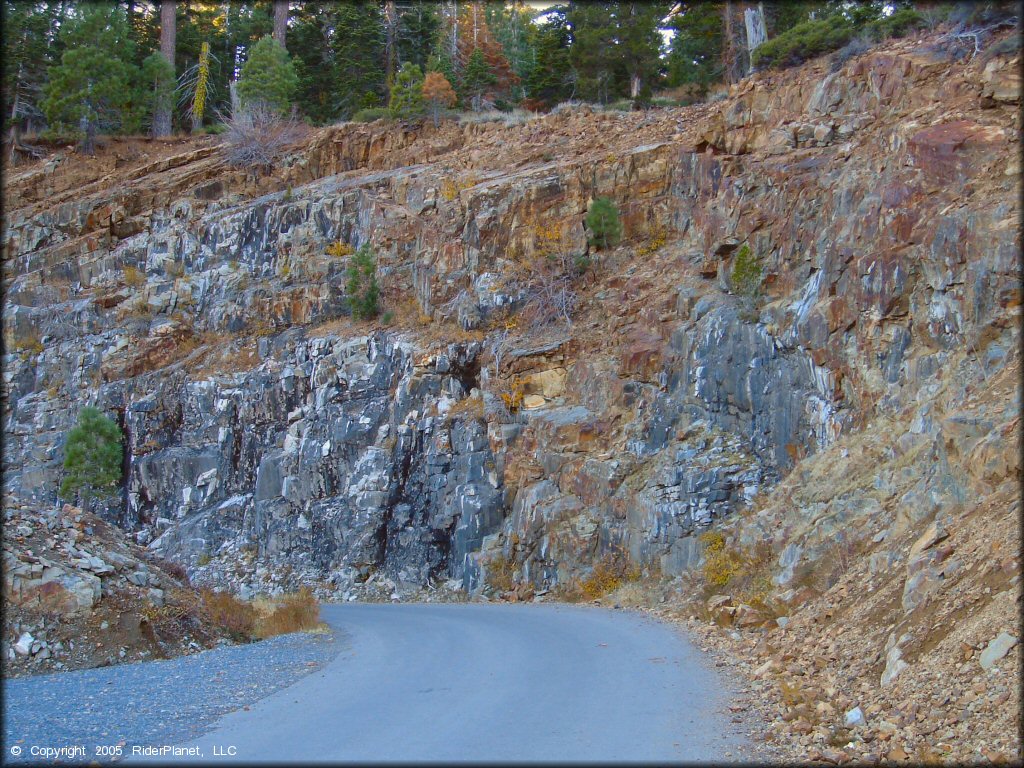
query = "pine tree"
x=418 y=24
x=407 y=93
x=551 y=79
x=337 y=49
x=30 y=47
x=511 y=24
x=442 y=63
x=640 y=42
x=363 y=291
x=96 y=86
x=92 y=455
x=593 y=52
x=163 y=103
x=695 y=54
x=268 y=76
x=281 y=23
x=159 y=84
x=476 y=78
x=475 y=34
x=603 y=223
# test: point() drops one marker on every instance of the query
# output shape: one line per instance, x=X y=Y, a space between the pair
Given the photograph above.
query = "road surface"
x=478 y=682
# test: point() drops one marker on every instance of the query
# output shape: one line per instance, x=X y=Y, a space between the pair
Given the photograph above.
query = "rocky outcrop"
x=77 y=594
x=272 y=441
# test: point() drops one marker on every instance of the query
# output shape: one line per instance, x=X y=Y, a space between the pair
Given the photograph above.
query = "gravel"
x=154 y=703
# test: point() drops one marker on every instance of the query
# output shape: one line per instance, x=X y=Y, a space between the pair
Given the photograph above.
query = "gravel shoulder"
x=155 y=702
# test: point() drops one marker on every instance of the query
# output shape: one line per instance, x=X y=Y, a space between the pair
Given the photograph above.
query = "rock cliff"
x=272 y=440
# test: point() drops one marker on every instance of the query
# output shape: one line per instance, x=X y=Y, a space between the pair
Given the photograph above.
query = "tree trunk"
x=728 y=53
x=281 y=22
x=754 y=20
x=391 y=44
x=168 y=40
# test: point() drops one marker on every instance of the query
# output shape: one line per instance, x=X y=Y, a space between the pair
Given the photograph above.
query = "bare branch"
x=257 y=136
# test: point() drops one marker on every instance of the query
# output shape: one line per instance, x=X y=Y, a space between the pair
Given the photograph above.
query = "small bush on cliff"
x=603 y=223
x=363 y=291
x=745 y=278
x=855 y=47
x=92 y=455
x=720 y=564
x=499 y=572
x=613 y=569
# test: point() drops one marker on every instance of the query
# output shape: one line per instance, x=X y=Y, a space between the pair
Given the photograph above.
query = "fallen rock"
x=995 y=650
x=24 y=644
x=855 y=717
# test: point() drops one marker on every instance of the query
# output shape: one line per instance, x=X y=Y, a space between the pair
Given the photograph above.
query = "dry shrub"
x=181 y=607
x=340 y=249
x=512 y=396
x=134 y=277
x=292 y=613
x=550 y=289
x=720 y=564
x=467 y=408
x=170 y=567
x=610 y=572
x=226 y=611
x=823 y=573
x=499 y=573
x=257 y=136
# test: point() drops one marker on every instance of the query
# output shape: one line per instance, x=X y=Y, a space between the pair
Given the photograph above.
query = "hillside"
x=849 y=435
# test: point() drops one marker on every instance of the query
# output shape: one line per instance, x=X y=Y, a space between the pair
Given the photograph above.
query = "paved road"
x=471 y=682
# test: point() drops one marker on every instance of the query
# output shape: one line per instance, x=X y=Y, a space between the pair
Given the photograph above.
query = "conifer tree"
x=158 y=85
x=337 y=49
x=695 y=53
x=407 y=93
x=268 y=76
x=363 y=291
x=551 y=79
x=154 y=74
x=92 y=455
x=476 y=78
x=96 y=86
x=603 y=223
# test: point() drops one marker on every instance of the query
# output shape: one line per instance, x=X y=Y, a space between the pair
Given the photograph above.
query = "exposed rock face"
x=344 y=458
x=207 y=310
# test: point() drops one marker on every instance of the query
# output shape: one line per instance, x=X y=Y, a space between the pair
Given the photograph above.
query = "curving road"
x=472 y=682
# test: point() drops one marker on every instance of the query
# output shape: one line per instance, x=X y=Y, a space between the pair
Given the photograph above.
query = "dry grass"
x=134 y=277
x=290 y=613
x=467 y=408
x=244 y=358
x=499 y=573
x=610 y=573
x=226 y=611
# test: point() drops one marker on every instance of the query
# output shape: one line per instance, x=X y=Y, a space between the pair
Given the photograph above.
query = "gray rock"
x=997 y=649
x=855 y=717
x=24 y=644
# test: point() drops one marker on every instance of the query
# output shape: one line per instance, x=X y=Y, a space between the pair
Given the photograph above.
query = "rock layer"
x=273 y=441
